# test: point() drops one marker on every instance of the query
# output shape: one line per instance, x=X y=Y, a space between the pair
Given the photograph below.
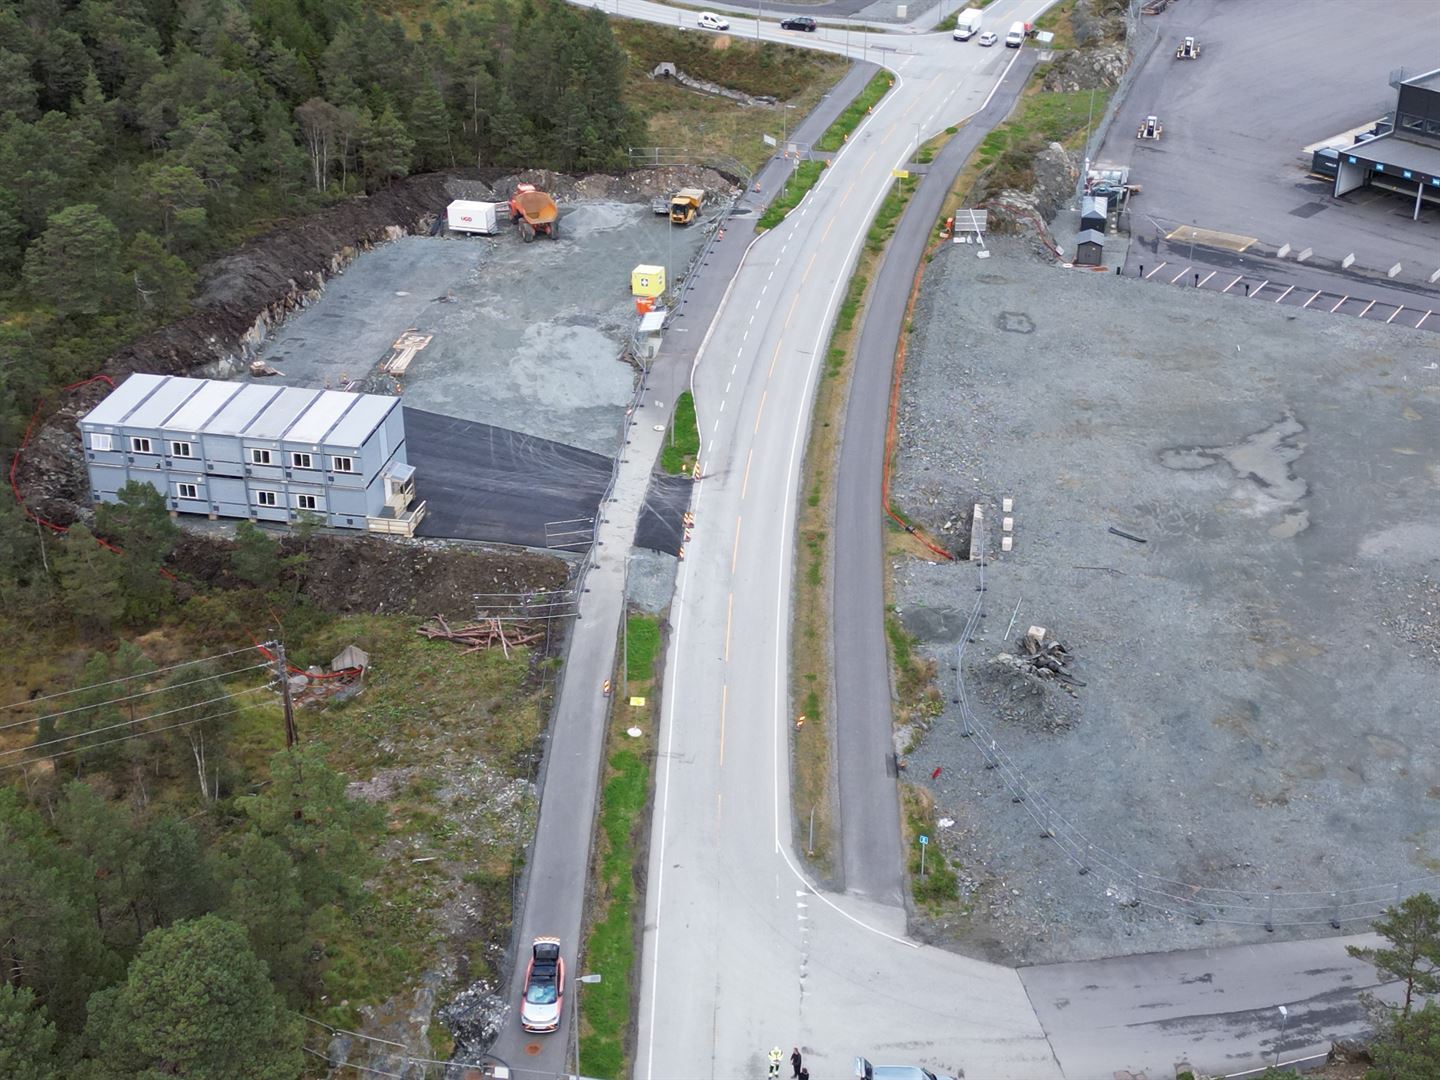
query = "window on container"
x=260 y=457
x=187 y=491
x=101 y=442
x=306 y=502
x=342 y=464
x=139 y=444
x=180 y=449
x=301 y=461
x=267 y=498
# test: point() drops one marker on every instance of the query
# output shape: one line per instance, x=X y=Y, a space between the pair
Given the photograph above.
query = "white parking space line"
x=1257 y=289
x=1288 y=290
x=1232 y=284
x=1341 y=301
x=1394 y=313
x=1312 y=299
x=1423 y=318
x=1366 y=311
x=1178 y=276
x=1157 y=269
x=1206 y=278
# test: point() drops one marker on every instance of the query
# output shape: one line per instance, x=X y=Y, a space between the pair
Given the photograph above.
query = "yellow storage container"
x=647 y=281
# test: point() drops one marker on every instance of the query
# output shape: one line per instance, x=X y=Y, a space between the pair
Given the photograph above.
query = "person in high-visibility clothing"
x=775 y=1057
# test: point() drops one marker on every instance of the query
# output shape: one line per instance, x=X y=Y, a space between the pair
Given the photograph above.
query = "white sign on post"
x=770 y=140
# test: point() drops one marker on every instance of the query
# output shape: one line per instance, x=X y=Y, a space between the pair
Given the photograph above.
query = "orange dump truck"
x=533 y=213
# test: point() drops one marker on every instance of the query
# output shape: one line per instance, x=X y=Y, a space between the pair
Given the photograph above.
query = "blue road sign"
x=924 y=840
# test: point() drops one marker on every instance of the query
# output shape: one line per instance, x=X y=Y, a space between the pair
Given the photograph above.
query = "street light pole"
x=1284 y=1020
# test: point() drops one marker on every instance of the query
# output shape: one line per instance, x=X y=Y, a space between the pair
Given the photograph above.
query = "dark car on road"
x=544 y=986
x=798 y=22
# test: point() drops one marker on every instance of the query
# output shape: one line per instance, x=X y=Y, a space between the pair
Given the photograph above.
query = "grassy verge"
x=807 y=173
x=939 y=886
x=810 y=648
x=683 y=440
x=1005 y=157
x=1058 y=21
x=806 y=176
x=836 y=134
x=610 y=947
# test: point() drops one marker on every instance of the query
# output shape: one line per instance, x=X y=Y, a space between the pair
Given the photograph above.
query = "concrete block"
x=1435 y=277
x=977 y=533
x=1006 y=542
x=1007 y=524
x=1007 y=504
x=1304 y=254
x=1284 y=250
x=1348 y=261
x=1393 y=270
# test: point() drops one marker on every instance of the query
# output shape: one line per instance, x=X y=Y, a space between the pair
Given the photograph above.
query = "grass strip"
x=810 y=660
x=805 y=177
x=683 y=442
x=610 y=947
x=939 y=885
x=807 y=173
x=836 y=134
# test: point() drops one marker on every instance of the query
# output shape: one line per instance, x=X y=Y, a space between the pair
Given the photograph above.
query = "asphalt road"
x=864 y=700
x=481 y=482
x=740 y=953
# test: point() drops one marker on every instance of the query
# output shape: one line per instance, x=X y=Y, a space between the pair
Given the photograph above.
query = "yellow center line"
x=848 y=190
x=745 y=484
x=735 y=552
x=775 y=357
x=729 y=614
x=761 y=411
x=823 y=236
x=868 y=160
x=791 y=313
x=724 y=697
x=806 y=276
x=719 y=808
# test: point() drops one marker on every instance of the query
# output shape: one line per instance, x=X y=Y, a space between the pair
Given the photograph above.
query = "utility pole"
x=291 y=735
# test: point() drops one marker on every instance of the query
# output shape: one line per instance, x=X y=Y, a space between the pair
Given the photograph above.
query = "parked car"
x=544 y=986
x=708 y=20
x=989 y=38
x=799 y=22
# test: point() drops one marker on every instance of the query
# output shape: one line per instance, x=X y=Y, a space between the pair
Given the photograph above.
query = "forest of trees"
x=140 y=137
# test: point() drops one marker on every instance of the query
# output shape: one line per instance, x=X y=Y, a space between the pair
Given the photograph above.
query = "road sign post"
x=924 y=843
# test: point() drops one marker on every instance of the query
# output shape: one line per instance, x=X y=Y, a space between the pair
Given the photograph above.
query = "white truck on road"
x=967 y=24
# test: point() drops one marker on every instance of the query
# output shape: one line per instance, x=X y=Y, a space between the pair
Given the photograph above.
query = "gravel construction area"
x=525 y=336
x=1252 y=705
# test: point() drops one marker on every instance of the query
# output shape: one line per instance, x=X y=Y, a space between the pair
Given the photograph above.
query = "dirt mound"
x=349 y=575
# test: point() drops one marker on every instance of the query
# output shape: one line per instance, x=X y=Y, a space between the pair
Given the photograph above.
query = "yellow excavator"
x=685 y=205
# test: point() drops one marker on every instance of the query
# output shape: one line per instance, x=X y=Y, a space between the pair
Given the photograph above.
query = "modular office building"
x=245 y=450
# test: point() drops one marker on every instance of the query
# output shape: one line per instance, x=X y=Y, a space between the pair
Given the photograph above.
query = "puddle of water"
x=1262 y=465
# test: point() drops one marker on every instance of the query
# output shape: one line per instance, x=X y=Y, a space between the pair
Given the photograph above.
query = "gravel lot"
x=1258 y=709
x=526 y=336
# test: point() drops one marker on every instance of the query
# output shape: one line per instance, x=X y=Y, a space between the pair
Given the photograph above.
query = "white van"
x=708 y=20
x=1016 y=37
x=967 y=24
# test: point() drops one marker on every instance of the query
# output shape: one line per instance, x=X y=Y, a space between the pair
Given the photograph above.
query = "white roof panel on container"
x=168 y=396
x=280 y=413
x=122 y=400
x=207 y=402
x=242 y=408
x=357 y=425
x=317 y=420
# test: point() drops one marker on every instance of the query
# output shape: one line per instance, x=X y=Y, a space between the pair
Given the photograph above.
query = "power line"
x=111 y=742
x=138 y=719
x=127 y=678
x=128 y=697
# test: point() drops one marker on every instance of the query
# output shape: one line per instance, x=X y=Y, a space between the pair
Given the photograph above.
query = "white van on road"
x=708 y=20
x=1016 y=37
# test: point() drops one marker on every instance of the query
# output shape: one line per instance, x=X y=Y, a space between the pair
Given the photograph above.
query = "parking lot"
x=522 y=350
x=1272 y=78
x=1256 y=646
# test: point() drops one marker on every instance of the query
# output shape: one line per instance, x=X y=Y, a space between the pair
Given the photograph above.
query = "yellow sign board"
x=637 y=702
x=900 y=174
